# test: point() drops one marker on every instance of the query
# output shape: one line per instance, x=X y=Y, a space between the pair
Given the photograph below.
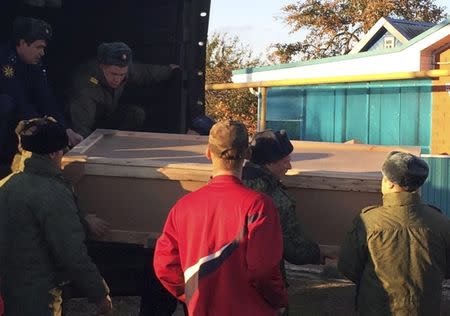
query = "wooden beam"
x=263 y=116
x=437 y=73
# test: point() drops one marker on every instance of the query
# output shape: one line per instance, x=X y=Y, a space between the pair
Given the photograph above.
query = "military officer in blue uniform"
x=24 y=90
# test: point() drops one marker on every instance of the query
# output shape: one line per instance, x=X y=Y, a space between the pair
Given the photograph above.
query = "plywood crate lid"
x=316 y=165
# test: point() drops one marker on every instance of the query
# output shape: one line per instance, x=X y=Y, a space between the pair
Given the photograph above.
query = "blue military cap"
x=116 y=53
x=31 y=29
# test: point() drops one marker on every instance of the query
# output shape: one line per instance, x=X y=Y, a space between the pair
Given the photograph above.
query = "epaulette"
x=435 y=208
x=93 y=80
x=369 y=208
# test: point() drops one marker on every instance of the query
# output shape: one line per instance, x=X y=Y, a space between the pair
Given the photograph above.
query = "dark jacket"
x=398 y=255
x=298 y=249
x=41 y=240
x=28 y=86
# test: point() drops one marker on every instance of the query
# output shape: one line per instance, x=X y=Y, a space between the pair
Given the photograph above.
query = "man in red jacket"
x=221 y=246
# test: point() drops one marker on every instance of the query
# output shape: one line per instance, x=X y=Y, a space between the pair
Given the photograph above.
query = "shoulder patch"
x=435 y=208
x=369 y=208
x=8 y=71
x=93 y=80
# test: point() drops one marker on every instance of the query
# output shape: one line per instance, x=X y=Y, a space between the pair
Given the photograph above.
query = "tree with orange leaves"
x=334 y=26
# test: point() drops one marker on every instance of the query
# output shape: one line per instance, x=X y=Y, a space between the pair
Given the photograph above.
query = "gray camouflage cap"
x=229 y=140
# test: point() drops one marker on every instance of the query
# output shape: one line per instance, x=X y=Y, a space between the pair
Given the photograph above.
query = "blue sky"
x=254 y=21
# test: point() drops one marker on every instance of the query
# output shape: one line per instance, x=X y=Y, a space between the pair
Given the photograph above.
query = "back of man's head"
x=228 y=141
x=30 y=30
x=406 y=170
x=42 y=135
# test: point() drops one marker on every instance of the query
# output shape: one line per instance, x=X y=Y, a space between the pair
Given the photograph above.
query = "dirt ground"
x=312 y=291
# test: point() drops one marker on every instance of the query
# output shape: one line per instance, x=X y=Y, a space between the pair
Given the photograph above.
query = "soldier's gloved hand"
x=202 y=124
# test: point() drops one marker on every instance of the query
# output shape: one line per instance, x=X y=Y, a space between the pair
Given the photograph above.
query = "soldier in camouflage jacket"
x=269 y=162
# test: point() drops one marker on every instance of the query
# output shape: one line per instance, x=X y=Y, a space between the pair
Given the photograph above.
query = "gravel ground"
x=313 y=291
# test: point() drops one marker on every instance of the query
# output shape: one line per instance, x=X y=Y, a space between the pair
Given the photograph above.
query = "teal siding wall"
x=385 y=113
x=436 y=191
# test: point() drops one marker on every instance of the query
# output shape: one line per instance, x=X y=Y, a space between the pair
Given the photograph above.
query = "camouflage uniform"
x=93 y=104
x=42 y=241
x=297 y=248
x=398 y=255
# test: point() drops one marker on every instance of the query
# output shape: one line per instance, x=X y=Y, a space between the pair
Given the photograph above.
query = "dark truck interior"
x=158 y=31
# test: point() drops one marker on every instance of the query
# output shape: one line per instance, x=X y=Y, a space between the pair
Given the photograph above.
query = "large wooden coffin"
x=132 y=180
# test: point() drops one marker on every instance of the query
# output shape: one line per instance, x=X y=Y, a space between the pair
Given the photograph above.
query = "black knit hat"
x=31 y=29
x=270 y=146
x=42 y=135
x=117 y=54
x=406 y=170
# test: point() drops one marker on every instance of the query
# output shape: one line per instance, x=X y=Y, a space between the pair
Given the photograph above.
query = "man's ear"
x=390 y=184
x=208 y=152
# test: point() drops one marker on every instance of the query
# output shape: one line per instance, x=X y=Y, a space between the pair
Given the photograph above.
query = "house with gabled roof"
x=416 y=54
x=389 y=33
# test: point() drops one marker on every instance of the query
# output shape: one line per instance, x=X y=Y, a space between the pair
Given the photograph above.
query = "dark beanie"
x=31 y=29
x=270 y=146
x=406 y=170
x=42 y=135
x=117 y=54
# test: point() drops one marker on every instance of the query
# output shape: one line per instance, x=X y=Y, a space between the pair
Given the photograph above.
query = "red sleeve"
x=166 y=261
x=264 y=252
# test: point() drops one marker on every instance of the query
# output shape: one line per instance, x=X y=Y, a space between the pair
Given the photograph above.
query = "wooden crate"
x=132 y=180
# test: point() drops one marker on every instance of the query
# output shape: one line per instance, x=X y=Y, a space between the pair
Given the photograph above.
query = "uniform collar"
x=253 y=171
x=401 y=198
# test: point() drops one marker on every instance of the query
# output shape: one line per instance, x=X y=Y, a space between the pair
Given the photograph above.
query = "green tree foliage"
x=223 y=55
x=334 y=26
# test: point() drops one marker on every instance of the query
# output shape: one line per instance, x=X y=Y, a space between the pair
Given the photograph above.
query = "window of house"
x=389 y=42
